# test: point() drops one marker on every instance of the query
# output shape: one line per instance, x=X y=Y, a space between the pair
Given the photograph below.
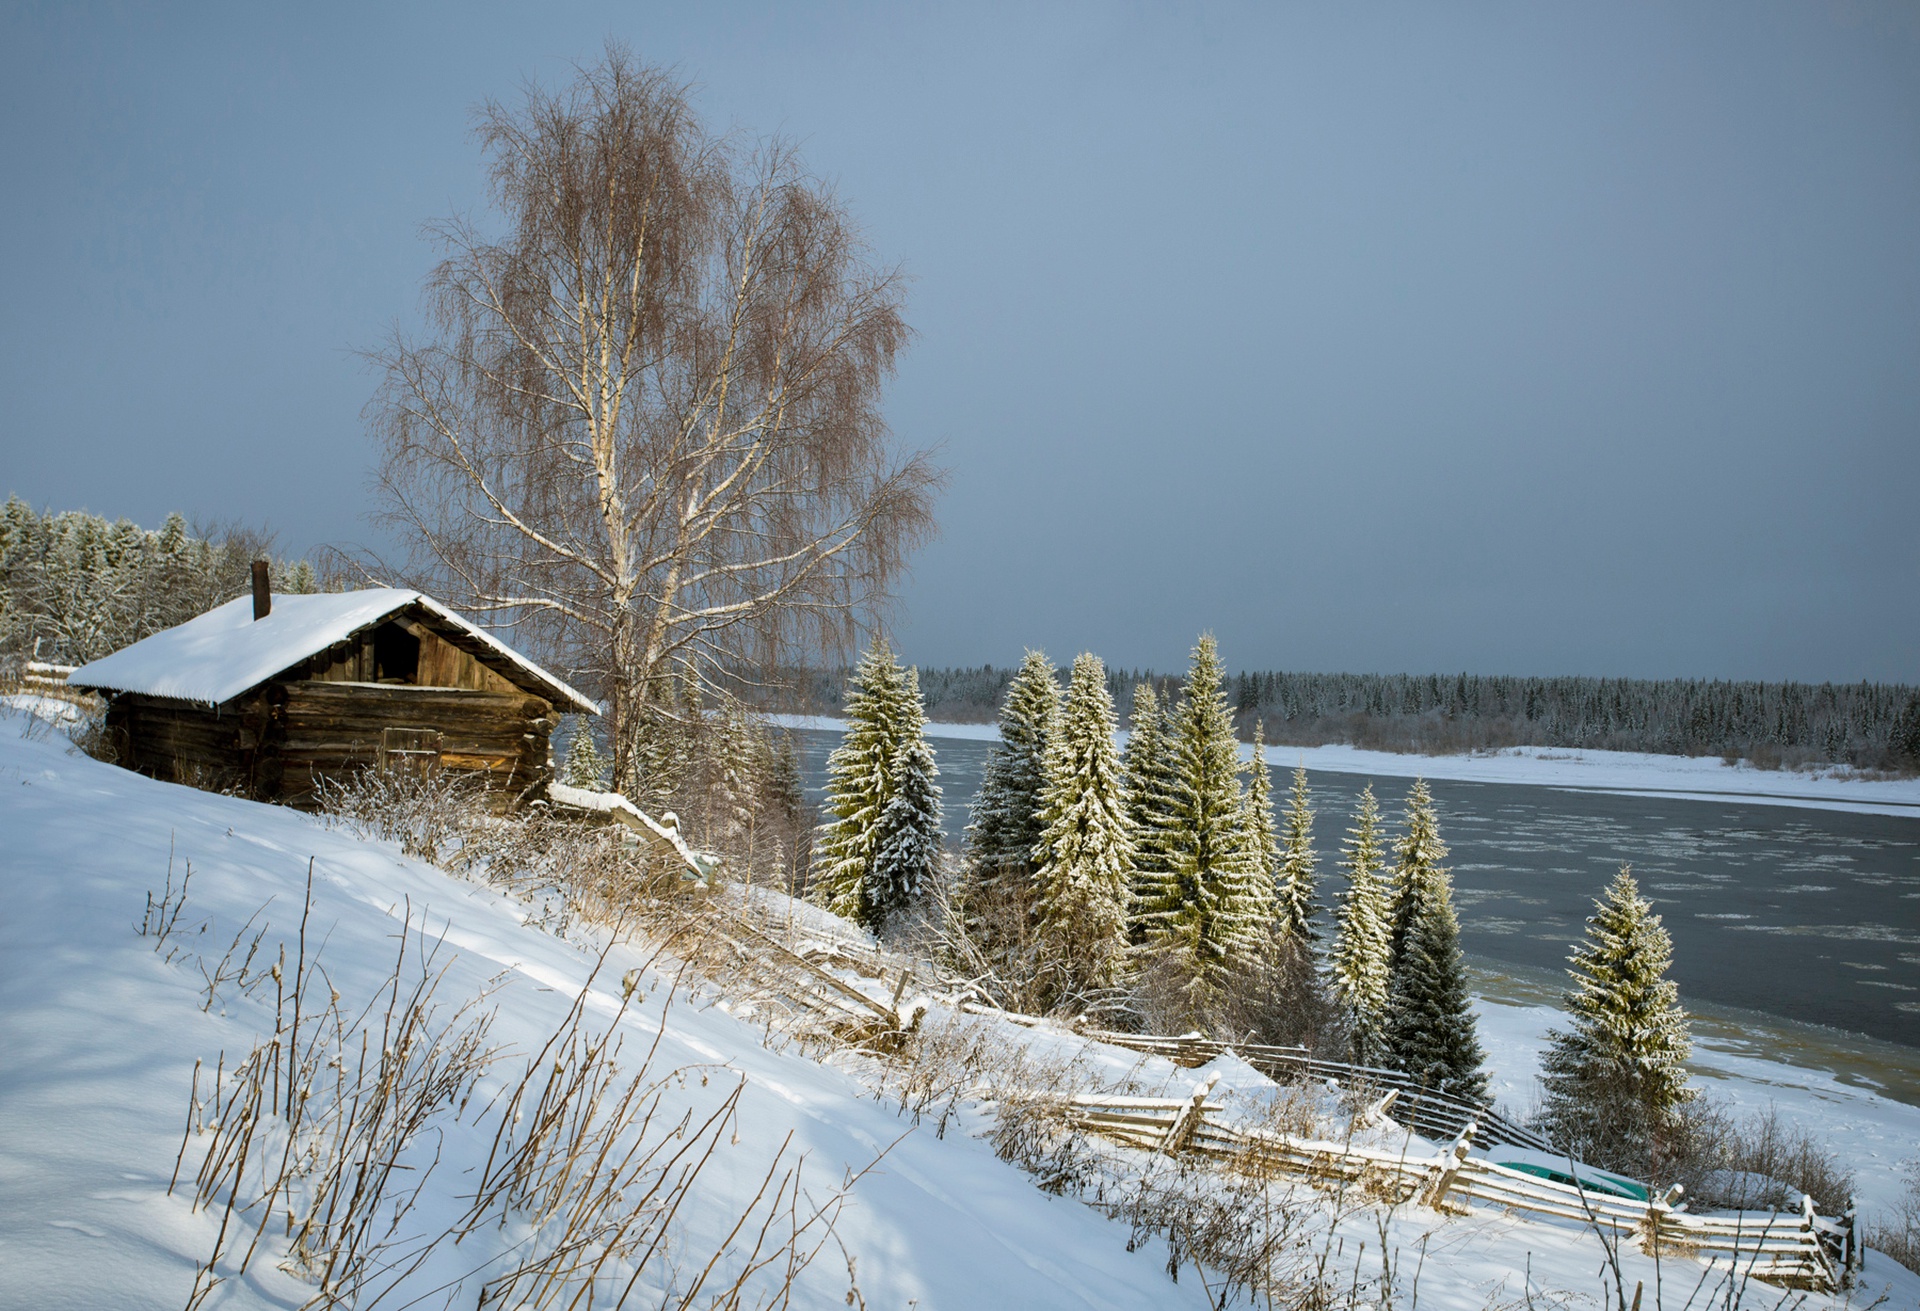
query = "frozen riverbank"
x=1625 y=773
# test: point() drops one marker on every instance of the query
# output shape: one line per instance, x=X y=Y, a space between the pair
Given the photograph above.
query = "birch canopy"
x=644 y=426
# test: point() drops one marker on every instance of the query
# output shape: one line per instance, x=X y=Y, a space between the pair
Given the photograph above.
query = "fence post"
x=1658 y=1210
x=1450 y=1162
x=1851 y=1253
x=1179 y=1135
x=1810 y=1229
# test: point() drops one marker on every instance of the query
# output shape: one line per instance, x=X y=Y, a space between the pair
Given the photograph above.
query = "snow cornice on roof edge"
x=226 y=652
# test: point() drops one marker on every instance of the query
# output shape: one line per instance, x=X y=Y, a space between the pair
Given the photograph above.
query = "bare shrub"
x=571 y=870
x=1898 y=1235
x=318 y=1146
x=1758 y=1163
x=1275 y=997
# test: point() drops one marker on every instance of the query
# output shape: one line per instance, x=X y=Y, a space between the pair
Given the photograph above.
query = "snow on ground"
x=1626 y=773
x=100 y=1036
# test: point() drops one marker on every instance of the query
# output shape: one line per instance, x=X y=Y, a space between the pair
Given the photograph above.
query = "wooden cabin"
x=271 y=694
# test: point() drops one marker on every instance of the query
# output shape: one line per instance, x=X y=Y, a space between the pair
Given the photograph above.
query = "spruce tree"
x=860 y=781
x=1430 y=1030
x=997 y=896
x=1085 y=856
x=583 y=768
x=906 y=857
x=1005 y=823
x=1417 y=871
x=1149 y=788
x=1360 y=950
x=1298 y=910
x=1207 y=908
x=1257 y=824
x=1616 y=1078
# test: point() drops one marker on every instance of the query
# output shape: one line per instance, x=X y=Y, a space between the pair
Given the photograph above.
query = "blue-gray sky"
x=1514 y=338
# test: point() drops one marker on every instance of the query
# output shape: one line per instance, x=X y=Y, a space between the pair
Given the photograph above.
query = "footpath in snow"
x=1627 y=773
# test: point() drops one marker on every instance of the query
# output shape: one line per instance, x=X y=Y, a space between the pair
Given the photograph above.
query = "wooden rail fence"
x=1795 y=1250
x=1433 y=1114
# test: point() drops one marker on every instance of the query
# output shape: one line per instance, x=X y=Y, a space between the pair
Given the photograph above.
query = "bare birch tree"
x=644 y=431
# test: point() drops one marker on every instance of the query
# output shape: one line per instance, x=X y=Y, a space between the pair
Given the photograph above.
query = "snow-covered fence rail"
x=1799 y=1251
x=1432 y=1113
x=37 y=678
x=776 y=972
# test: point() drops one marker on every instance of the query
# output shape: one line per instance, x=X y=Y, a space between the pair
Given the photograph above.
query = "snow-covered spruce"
x=1363 y=941
x=1416 y=871
x=906 y=856
x=1149 y=786
x=583 y=767
x=1005 y=824
x=1208 y=906
x=1297 y=908
x=883 y=713
x=1616 y=1077
x=1430 y=1031
x=1085 y=856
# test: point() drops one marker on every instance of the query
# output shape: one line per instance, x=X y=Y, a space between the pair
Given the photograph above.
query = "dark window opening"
x=396 y=655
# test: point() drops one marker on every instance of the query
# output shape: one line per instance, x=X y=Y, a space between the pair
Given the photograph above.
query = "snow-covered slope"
x=99 y=1035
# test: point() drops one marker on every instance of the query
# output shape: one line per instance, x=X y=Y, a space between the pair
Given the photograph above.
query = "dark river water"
x=1811 y=915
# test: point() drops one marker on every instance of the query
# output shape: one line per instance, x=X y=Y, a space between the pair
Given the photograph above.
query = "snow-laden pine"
x=1149 y=784
x=1208 y=907
x=1429 y=1030
x=906 y=857
x=1616 y=1077
x=1005 y=824
x=1363 y=942
x=1416 y=871
x=583 y=767
x=883 y=711
x=1085 y=856
x=1298 y=909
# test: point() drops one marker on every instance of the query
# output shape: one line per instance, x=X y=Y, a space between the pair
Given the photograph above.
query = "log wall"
x=277 y=742
x=332 y=729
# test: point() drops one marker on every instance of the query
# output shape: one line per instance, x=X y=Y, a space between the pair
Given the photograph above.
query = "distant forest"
x=75 y=587
x=1869 y=726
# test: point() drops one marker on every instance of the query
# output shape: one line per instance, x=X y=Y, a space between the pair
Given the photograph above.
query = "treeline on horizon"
x=1869 y=726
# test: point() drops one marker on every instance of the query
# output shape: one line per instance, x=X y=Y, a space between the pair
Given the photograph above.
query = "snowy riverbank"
x=102 y=1032
x=1623 y=773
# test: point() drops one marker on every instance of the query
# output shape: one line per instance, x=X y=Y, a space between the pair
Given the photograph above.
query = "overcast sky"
x=1510 y=338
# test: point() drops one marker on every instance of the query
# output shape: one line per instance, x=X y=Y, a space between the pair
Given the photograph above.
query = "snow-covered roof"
x=226 y=651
